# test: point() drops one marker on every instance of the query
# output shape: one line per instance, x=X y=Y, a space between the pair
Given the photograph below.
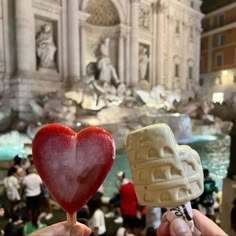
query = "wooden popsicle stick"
x=71 y=219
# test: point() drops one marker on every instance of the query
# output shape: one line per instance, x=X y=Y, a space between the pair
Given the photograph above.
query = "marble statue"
x=107 y=72
x=143 y=63
x=45 y=47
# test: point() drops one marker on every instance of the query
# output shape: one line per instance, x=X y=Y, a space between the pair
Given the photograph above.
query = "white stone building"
x=46 y=43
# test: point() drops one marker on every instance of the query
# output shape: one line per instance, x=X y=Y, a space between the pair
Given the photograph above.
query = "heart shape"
x=72 y=165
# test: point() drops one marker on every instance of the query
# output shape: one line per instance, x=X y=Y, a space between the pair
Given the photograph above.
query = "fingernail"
x=179 y=227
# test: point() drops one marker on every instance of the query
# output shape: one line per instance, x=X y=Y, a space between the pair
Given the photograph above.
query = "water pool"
x=214 y=155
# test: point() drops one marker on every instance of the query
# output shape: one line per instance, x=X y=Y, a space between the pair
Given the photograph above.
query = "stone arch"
x=115 y=3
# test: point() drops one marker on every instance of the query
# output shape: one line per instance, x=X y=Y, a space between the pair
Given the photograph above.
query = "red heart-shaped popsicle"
x=72 y=165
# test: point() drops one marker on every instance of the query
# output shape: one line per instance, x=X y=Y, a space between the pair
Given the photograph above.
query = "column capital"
x=83 y=16
x=124 y=30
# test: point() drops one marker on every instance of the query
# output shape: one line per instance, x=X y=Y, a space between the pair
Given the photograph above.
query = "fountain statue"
x=45 y=47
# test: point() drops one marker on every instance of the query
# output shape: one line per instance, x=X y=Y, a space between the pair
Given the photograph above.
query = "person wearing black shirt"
x=206 y=202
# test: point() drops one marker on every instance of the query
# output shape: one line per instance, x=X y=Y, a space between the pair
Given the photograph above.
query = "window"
x=177 y=70
x=177 y=27
x=219 y=40
x=221 y=20
x=219 y=60
x=190 y=72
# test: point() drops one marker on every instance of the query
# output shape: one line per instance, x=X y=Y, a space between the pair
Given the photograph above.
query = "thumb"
x=178 y=227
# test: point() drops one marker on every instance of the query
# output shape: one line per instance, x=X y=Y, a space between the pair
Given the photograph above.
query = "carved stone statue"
x=107 y=72
x=45 y=47
x=143 y=63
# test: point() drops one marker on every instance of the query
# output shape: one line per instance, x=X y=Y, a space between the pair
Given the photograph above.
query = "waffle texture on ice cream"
x=164 y=173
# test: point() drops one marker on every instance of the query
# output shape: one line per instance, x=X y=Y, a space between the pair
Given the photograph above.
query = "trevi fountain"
x=118 y=64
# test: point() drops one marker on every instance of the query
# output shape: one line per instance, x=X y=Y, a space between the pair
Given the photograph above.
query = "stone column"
x=83 y=16
x=121 y=56
x=83 y=50
x=73 y=39
x=160 y=45
x=127 y=60
x=170 y=67
x=25 y=41
x=134 y=44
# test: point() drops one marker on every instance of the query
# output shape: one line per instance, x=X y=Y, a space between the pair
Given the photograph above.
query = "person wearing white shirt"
x=97 y=219
x=32 y=188
x=12 y=187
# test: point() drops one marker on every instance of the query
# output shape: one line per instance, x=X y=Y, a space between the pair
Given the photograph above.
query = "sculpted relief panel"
x=45 y=45
x=145 y=17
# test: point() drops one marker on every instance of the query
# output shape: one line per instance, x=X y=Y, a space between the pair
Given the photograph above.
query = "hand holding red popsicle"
x=72 y=166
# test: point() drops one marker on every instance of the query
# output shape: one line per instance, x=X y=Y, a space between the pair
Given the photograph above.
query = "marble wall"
x=46 y=43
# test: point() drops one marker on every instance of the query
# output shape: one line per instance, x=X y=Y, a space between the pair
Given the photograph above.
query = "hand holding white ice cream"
x=164 y=173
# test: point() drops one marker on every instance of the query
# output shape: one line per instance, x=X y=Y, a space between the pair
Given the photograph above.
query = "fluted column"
x=83 y=16
x=121 y=56
x=73 y=39
x=25 y=41
x=134 y=44
x=83 y=50
x=160 y=46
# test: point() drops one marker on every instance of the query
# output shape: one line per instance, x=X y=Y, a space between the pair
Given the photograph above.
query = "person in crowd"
x=217 y=204
x=134 y=227
x=115 y=201
x=97 y=218
x=233 y=217
x=17 y=162
x=206 y=202
x=46 y=202
x=32 y=184
x=33 y=225
x=2 y=219
x=15 y=226
x=153 y=219
x=83 y=215
x=26 y=162
x=128 y=201
x=12 y=188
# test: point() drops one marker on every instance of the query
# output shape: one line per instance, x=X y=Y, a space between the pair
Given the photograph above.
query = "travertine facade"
x=46 y=43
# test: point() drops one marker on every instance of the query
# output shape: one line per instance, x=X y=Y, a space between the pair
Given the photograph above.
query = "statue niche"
x=143 y=62
x=45 y=48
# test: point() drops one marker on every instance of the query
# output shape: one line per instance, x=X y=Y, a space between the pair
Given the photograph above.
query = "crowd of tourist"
x=29 y=202
x=27 y=199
